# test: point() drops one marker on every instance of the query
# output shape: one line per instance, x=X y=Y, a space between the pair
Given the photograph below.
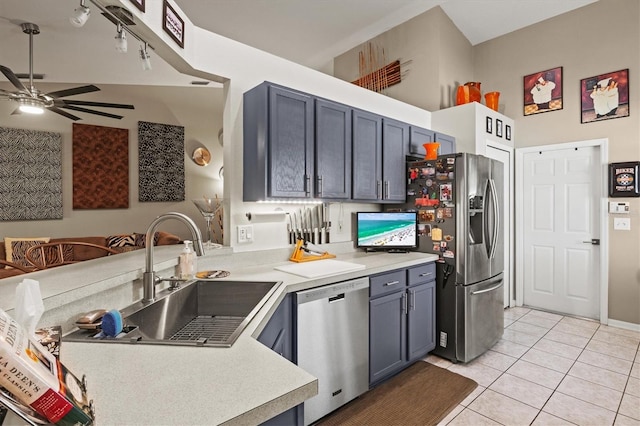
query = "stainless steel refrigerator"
x=459 y=198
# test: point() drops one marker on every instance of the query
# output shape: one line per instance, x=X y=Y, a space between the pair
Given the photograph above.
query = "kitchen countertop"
x=244 y=384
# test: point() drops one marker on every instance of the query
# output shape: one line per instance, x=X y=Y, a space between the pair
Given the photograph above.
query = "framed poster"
x=543 y=91
x=507 y=132
x=489 y=125
x=139 y=4
x=498 y=127
x=172 y=23
x=604 y=96
x=623 y=179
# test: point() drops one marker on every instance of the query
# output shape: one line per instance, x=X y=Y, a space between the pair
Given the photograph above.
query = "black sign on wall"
x=623 y=179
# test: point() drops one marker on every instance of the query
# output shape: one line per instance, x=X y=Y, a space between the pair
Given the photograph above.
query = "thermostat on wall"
x=616 y=207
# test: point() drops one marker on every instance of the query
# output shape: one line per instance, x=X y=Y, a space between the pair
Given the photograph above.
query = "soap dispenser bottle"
x=187 y=262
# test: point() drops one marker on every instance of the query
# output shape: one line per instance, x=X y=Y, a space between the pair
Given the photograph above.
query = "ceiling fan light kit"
x=80 y=15
x=32 y=101
x=30 y=106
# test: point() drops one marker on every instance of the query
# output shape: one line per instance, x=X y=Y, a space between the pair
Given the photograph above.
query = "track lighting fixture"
x=80 y=15
x=121 y=39
x=145 y=58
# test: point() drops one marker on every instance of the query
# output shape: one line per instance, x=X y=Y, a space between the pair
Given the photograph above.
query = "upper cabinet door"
x=447 y=144
x=395 y=145
x=367 y=156
x=333 y=150
x=290 y=147
x=418 y=137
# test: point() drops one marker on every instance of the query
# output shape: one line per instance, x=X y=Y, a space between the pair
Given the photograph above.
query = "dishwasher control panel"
x=332 y=290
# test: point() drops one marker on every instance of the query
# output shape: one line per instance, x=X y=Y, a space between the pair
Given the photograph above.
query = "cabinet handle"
x=386 y=190
x=426 y=274
x=404 y=304
x=319 y=180
x=378 y=189
x=412 y=300
x=307 y=184
x=391 y=283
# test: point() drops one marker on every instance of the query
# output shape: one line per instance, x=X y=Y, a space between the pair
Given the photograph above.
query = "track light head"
x=121 y=39
x=145 y=58
x=80 y=15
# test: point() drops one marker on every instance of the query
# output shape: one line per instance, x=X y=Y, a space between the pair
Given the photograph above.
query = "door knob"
x=594 y=241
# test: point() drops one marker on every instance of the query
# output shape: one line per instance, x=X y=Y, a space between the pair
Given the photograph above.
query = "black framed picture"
x=498 y=128
x=139 y=4
x=623 y=179
x=489 y=125
x=604 y=96
x=543 y=91
x=173 y=24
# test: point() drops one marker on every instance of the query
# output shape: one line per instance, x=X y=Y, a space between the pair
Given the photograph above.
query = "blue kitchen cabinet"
x=380 y=146
x=332 y=150
x=419 y=136
x=278 y=126
x=395 y=144
x=278 y=335
x=401 y=319
x=367 y=156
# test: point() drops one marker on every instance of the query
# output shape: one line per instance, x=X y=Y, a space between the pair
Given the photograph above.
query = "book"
x=35 y=377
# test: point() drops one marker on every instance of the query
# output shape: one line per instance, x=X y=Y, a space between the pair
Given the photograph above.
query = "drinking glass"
x=209 y=207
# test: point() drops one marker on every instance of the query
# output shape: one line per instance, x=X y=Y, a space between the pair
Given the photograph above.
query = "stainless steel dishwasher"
x=333 y=343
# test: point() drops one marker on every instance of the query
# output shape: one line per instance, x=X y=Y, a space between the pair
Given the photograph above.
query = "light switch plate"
x=245 y=233
x=618 y=207
x=622 y=223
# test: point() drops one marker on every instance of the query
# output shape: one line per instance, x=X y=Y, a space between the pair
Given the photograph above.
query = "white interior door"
x=561 y=214
x=505 y=156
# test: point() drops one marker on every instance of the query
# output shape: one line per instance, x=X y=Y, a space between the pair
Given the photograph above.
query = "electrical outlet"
x=622 y=224
x=245 y=233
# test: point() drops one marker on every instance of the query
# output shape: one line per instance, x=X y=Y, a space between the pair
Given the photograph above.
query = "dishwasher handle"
x=337 y=298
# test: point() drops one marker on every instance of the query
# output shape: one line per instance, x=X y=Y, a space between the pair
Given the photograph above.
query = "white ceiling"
x=310 y=32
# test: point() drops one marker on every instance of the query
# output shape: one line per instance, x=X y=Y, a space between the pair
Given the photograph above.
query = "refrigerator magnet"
x=445 y=192
x=449 y=254
x=436 y=234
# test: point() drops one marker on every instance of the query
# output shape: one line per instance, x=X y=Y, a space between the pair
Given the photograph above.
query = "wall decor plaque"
x=161 y=162
x=30 y=175
x=623 y=179
x=100 y=167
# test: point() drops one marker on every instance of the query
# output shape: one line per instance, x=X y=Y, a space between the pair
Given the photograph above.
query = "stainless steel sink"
x=200 y=313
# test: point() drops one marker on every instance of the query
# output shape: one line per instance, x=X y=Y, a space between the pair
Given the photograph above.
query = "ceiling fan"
x=32 y=100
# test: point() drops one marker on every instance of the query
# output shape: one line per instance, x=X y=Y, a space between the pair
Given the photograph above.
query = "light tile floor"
x=550 y=369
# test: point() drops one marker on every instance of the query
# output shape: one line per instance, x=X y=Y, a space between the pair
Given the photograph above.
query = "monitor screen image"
x=393 y=230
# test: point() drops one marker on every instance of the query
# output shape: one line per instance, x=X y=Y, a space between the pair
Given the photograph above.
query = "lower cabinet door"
x=387 y=335
x=421 y=320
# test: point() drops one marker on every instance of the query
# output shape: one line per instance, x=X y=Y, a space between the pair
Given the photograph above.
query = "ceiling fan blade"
x=73 y=91
x=63 y=103
x=13 y=79
x=63 y=113
x=89 y=111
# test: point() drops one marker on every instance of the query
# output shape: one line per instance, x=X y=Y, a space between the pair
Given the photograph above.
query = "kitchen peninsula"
x=149 y=384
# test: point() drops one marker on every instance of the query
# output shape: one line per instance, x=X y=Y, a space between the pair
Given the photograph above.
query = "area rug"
x=423 y=394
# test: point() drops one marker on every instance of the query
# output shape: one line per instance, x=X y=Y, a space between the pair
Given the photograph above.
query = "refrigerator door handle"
x=487 y=290
x=485 y=224
x=496 y=221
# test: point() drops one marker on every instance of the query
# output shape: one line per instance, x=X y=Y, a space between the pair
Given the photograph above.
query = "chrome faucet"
x=149 y=279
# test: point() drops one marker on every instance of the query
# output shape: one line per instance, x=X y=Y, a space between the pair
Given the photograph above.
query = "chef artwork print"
x=623 y=179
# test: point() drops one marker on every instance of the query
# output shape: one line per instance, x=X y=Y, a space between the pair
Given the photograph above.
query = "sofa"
x=12 y=261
